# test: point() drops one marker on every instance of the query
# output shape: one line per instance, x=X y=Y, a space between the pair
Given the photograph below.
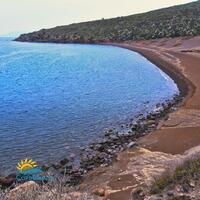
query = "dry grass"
x=183 y=174
x=56 y=190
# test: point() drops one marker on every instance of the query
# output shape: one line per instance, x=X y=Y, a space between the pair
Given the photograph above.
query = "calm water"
x=55 y=98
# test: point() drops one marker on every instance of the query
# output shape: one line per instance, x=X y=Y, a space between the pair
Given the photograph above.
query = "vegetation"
x=184 y=175
x=56 y=190
x=181 y=20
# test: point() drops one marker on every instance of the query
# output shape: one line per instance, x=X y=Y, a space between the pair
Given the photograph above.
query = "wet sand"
x=174 y=138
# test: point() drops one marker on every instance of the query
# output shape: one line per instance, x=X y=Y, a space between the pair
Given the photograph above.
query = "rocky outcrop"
x=7 y=181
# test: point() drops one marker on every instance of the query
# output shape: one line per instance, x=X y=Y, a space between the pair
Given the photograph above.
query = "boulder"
x=64 y=161
x=99 y=191
x=8 y=181
x=22 y=190
x=131 y=144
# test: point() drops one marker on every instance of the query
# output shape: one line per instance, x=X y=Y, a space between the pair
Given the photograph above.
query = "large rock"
x=8 y=181
x=131 y=144
x=99 y=191
x=23 y=190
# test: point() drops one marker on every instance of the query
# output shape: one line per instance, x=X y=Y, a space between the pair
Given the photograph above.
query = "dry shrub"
x=185 y=171
x=56 y=190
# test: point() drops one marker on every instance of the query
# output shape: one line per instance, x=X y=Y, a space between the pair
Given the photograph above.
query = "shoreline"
x=185 y=86
x=141 y=128
x=176 y=138
x=151 y=140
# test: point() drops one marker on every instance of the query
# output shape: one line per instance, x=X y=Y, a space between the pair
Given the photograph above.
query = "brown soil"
x=173 y=141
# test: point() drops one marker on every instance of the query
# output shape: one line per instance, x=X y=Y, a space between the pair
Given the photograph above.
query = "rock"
x=186 y=188
x=56 y=166
x=179 y=188
x=68 y=167
x=192 y=183
x=138 y=194
x=113 y=137
x=140 y=116
x=45 y=168
x=8 y=181
x=182 y=196
x=131 y=144
x=75 y=195
x=72 y=156
x=64 y=161
x=150 y=117
x=170 y=193
x=129 y=132
x=150 y=122
x=134 y=127
x=82 y=148
x=99 y=192
x=22 y=189
x=109 y=132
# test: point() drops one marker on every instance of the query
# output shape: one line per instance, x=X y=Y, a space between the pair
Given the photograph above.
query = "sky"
x=31 y=15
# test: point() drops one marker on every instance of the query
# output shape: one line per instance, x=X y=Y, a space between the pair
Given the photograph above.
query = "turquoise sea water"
x=55 y=98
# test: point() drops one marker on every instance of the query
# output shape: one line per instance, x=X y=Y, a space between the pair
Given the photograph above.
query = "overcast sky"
x=30 y=15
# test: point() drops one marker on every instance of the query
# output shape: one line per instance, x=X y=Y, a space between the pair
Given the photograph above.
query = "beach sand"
x=175 y=140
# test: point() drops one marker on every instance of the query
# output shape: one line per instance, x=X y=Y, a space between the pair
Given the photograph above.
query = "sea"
x=57 y=98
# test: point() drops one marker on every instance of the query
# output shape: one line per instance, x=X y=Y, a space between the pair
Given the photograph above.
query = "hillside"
x=181 y=20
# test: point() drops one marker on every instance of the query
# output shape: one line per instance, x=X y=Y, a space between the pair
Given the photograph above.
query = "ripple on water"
x=57 y=97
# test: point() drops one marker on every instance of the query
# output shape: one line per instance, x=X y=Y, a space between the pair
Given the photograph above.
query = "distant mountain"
x=181 y=20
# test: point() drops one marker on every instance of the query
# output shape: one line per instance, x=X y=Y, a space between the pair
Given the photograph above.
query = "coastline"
x=91 y=157
x=177 y=137
x=112 y=141
x=185 y=86
x=108 y=176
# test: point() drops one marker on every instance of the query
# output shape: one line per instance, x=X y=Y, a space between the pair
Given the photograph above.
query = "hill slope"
x=181 y=20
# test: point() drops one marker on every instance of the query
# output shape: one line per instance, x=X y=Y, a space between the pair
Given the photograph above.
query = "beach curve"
x=176 y=138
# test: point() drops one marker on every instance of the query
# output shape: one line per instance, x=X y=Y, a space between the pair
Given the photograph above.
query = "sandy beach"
x=175 y=140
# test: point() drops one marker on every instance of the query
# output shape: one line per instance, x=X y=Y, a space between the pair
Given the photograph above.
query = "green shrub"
x=182 y=20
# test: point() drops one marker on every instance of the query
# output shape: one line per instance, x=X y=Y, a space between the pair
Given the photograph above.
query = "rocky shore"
x=176 y=138
x=154 y=142
x=104 y=151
